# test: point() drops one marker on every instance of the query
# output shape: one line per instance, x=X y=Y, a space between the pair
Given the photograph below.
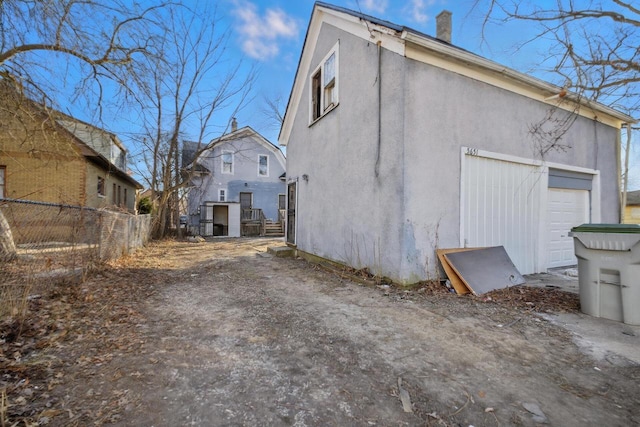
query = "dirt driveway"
x=221 y=334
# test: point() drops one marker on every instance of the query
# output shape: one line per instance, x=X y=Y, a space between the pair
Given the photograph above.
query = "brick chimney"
x=443 y=26
x=234 y=124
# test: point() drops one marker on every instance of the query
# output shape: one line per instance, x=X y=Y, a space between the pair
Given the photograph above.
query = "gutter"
x=451 y=52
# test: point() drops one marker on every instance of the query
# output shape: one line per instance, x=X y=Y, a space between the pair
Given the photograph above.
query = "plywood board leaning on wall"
x=486 y=269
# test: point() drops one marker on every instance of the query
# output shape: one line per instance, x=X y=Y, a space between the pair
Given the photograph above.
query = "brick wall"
x=42 y=163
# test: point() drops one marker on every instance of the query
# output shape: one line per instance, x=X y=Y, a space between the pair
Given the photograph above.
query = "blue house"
x=240 y=173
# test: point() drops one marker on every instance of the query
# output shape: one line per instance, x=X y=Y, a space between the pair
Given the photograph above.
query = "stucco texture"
x=385 y=203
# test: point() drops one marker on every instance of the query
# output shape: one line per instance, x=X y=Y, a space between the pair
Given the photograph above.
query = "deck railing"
x=252 y=217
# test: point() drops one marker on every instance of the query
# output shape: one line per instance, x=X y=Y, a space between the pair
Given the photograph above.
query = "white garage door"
x=565 y=209
x=501 y=206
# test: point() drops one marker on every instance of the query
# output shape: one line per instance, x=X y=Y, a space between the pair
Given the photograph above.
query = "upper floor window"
x=222 y=195
x=263 y=165
x=324 y=85
x=227 y=162
x=3 y=181
x=101 y=188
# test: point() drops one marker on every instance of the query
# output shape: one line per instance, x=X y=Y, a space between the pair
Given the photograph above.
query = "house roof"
x=79 y=132
x=633 y=198
x=85 y=135
x=422 y=47
x=243 y=132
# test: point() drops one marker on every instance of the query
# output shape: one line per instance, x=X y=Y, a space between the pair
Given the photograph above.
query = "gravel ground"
x=221 y=334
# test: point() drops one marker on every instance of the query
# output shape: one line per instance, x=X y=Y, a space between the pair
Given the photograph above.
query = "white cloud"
x=418 y=10
x=378 y=6
x=262 y=34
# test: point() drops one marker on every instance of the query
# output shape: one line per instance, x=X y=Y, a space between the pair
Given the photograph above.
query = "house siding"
x=40 y=162
x=632 y=214
x=495 y=120
x=44 y=162
x=245 y=178
x=389 y=212
x=96 y=201
x=345 y=211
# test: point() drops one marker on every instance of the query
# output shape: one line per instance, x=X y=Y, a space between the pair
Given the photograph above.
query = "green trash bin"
x=609 y=270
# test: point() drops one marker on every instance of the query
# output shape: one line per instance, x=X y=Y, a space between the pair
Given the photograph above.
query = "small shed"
x=219 y=219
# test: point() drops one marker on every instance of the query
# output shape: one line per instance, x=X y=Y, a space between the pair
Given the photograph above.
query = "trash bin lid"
x=607 y=228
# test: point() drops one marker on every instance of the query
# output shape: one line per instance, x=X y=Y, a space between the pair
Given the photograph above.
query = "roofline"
x=84 y=150
x=76 y=120
x=94 y=156
x=295 y=77
x=462 y=55
x=110 y=168
x=443 y=49
x=238 y=134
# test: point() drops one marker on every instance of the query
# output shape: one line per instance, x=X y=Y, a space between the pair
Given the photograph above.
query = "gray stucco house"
x=239 y=168
x=399 y=143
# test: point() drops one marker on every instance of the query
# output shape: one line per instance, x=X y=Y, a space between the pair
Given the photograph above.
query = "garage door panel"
x=501 y=206
x=566 y=209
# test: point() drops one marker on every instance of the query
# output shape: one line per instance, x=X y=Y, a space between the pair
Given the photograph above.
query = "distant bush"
x=145 y=206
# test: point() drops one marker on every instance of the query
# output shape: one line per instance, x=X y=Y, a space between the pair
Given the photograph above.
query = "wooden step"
x=273 y=228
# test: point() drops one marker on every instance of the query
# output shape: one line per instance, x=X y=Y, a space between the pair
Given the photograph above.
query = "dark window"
x=114 y=195
x=101 y=188
x=263 y=165
x=324 y=85
x=316 y=95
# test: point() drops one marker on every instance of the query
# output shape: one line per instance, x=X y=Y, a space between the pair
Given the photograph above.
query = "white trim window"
x=324 y=85
x=263 y=165
x=227 y=162
x=222 y=195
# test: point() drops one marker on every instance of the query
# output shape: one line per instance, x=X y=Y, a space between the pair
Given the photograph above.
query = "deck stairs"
x=273 y=228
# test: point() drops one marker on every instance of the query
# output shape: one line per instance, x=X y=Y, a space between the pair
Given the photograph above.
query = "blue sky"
x=271 y=34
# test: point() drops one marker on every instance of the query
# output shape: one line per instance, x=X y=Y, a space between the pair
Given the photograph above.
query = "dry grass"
x=3 y=407
x=14 y=297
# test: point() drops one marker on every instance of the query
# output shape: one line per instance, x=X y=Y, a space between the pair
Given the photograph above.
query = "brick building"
x=51 y=157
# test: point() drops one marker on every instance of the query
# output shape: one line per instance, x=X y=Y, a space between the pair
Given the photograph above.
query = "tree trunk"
x=7 y=246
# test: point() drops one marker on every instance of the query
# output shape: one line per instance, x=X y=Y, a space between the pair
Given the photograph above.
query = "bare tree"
x=273 y=110
x=181 y=94
x=46 y=45
x=593 y=48
x=93 y=40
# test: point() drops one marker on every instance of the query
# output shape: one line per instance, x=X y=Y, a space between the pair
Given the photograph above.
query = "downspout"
x=623 y=203
x=379 y=141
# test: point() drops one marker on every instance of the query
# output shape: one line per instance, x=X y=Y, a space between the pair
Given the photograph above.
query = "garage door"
x=565 y=209
x=501 y=206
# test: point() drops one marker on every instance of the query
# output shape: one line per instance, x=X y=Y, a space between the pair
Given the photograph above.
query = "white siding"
x=501 y=203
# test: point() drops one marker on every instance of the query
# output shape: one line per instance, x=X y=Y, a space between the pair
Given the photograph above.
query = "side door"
x=291 y=213
x=246 y=204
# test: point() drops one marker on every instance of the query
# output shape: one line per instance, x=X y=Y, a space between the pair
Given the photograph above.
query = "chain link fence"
x=42 y=244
